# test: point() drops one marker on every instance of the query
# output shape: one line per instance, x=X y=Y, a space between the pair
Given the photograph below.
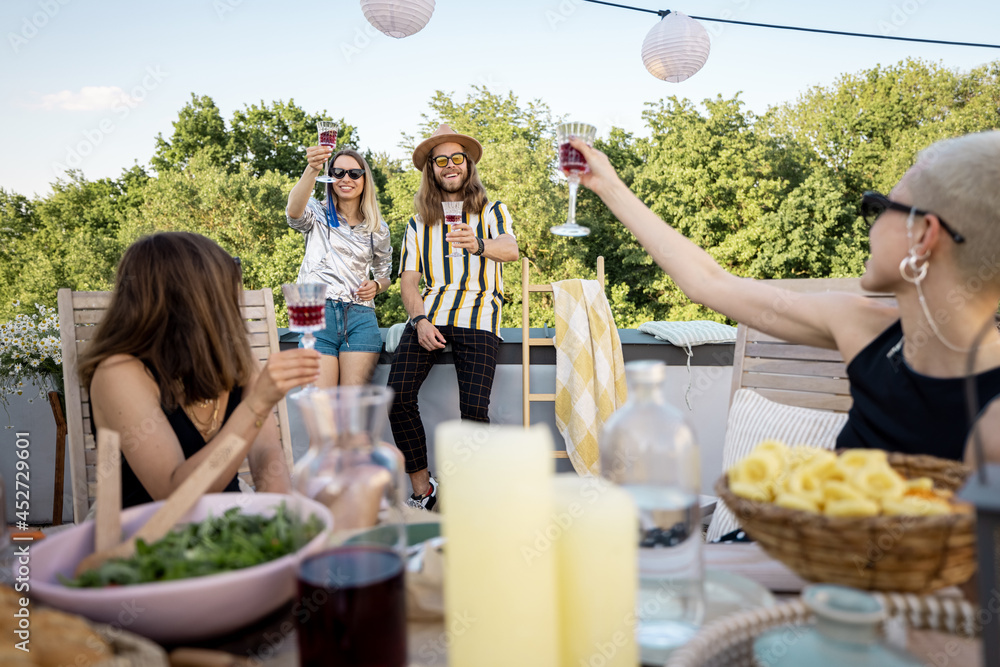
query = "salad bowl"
x=182 y=610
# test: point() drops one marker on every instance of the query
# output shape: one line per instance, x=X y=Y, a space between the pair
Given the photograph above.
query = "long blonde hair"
x=371 y=215
x=427 y=201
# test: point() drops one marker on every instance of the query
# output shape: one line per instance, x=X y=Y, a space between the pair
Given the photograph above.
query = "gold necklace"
x=199 y=424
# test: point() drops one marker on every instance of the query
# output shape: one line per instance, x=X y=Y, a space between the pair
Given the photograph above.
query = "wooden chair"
x=79 y=313
x=527 y=342
x=801 y=375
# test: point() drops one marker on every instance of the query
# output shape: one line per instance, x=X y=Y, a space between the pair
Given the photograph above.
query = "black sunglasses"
x=874 y=204
x=355 y=174
x=456 y=159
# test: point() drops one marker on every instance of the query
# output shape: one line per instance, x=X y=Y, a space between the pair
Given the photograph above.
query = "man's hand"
x=461 y=235
x=429 y=337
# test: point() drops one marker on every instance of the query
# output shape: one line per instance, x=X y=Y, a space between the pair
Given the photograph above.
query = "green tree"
x=199 y=128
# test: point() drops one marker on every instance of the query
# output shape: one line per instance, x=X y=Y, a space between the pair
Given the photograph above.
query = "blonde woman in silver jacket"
x=348 y=250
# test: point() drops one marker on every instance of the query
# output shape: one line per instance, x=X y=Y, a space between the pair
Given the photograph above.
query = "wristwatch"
x=481 y=249
x=414 y=320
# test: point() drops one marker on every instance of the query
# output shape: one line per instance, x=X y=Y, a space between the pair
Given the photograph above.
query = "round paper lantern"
x=676 y=48
x=398 y=18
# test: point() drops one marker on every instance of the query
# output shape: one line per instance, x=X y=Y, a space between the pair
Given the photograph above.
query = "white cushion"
x=753 y=418
x=685 y=334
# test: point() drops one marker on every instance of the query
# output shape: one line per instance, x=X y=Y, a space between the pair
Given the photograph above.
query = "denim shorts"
x=349 y=328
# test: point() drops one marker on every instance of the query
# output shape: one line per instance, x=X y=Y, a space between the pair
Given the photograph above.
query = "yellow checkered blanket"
x=590 y=369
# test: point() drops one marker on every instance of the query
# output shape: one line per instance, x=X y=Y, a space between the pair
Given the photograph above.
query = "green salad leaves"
x=231 y=541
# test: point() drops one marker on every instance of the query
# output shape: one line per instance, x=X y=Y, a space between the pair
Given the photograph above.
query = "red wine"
x=306 y=316
x=359 y=618
x=571 y=160
x=452 y=219
x=328 y=138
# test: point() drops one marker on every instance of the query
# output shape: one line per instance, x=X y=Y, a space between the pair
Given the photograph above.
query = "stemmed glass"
x=573 y=164
x=306 y=313
x=327 y=137
x=453 y=216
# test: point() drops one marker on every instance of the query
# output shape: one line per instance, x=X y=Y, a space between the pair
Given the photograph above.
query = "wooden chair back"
x=801 y=375
x=527 y=342
x=79 y=314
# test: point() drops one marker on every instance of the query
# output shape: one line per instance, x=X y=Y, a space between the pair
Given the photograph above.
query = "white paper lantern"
x=398 y=18
x=676 y=48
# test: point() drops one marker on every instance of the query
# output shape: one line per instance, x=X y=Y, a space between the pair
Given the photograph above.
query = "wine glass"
x=306 y=313
x=327 y=137
x=573 y=164
x=452 y=216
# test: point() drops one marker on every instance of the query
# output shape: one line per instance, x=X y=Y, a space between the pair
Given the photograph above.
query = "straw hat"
x=443 y=135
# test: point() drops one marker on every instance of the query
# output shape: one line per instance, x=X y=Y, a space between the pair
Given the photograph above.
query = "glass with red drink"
x=327 y=137
x=572 y=163
x=356 y=611
x=452 y=216
x=306 y=312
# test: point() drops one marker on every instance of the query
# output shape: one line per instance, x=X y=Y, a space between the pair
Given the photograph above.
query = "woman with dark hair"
x=348 y=250
x=170 y=369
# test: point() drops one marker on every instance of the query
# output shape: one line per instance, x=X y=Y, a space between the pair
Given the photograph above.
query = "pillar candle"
x=595 y=531
x=496 y=498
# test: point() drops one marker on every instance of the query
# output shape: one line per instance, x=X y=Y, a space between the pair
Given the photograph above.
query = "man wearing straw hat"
x=461 y=299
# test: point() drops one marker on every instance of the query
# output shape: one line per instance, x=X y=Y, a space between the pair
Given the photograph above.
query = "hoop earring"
x=910 y=271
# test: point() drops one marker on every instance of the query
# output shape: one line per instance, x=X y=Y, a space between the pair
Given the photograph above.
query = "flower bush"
x=30 y=349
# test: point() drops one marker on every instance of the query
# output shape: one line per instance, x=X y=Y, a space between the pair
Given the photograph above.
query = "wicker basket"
x=911 y=554
x=728 y=642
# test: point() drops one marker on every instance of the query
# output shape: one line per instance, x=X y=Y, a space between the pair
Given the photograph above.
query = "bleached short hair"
x=959 y=180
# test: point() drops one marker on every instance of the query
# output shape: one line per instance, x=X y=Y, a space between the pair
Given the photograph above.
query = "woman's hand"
x=602 y=175
x=283 y=372
x=317 y=155
x=367 y=291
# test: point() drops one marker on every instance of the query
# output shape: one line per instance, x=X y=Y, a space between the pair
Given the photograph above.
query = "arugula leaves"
x=231 y=541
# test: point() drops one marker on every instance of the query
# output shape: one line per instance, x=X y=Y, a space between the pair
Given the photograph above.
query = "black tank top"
x=134 y=493
x=899 y=410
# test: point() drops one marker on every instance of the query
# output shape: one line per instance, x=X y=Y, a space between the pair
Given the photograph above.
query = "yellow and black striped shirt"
x=462 y=291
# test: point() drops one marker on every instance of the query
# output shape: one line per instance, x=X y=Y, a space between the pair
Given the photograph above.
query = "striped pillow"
x=753 y=418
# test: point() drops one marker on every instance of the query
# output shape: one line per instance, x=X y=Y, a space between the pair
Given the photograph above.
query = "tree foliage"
x=769 y=196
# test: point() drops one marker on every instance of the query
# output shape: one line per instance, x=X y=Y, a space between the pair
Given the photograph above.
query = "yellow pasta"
x=858 y=507
x=879 y=482
x=858 y=483
x=796 y=502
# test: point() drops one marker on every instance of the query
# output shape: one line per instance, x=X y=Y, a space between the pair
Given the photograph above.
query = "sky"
x=89 y=84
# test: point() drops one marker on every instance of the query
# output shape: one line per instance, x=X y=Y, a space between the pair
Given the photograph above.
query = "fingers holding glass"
x=573 y=164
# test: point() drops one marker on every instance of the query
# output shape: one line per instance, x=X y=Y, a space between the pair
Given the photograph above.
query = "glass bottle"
x=648 y=448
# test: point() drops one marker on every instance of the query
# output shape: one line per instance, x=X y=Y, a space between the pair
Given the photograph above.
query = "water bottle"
x=649 y=450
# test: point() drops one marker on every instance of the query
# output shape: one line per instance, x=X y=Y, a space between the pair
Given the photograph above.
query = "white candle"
x=595 y=531
x=496 y=498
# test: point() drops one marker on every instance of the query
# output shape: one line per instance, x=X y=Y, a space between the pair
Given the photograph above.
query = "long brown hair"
x=176 y=308
x=428 y=200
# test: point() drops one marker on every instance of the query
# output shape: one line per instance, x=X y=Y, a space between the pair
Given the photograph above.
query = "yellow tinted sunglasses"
x=456 y=159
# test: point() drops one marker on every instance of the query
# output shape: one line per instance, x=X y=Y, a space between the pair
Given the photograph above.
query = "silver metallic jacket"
x=341 y=257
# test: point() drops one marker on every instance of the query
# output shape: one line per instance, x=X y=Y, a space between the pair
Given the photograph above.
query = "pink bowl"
x=175 y=611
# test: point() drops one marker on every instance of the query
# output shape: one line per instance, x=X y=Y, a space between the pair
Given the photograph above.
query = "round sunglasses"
x=355 y=174
x=456 y=159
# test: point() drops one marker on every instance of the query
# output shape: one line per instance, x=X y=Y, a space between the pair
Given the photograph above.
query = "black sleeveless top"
x=134 y=493
x=899 y=410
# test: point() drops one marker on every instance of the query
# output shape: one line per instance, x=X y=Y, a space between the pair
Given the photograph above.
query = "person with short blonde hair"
x=934 y=243
x=347 y=248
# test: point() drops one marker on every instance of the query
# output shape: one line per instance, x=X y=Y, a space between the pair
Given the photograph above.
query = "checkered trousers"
x=475 y=353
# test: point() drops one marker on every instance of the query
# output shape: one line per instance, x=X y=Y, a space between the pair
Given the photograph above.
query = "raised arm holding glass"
x=348 y=250
x=934 y=242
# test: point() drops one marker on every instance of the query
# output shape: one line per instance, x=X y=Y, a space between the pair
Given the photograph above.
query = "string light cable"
x=664 y=12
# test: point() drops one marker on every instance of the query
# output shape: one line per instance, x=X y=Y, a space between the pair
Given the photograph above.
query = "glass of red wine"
x=572 y=164
x=453 y=216
x=327 y=137
x=306 y=312
x=354 y=588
